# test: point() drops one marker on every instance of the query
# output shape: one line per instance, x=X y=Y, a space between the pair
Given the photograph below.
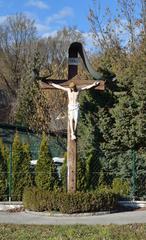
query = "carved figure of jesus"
x=73 y=104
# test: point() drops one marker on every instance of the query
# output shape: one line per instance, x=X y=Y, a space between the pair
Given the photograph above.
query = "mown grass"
x=75 y=232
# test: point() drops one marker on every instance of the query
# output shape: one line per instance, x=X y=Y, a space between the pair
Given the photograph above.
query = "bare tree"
x=115 y=30
x=17 y=41
x=127 y=8
x=143 y=4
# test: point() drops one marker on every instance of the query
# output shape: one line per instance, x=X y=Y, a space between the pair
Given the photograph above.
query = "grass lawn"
x=75 y=232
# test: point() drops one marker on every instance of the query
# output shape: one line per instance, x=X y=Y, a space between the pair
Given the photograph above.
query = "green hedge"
x=38 y=200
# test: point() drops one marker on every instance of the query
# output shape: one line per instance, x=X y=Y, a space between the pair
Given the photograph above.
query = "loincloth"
x=73 y=107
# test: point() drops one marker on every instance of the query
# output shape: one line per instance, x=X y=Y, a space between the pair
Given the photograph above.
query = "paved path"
x=35 y=218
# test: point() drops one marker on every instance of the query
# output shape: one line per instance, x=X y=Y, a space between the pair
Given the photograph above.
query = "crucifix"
x=73 y=86
x=73 y=104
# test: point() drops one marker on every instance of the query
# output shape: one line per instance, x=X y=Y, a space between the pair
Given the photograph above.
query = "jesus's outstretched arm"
x=58 y=86
x=90 y=86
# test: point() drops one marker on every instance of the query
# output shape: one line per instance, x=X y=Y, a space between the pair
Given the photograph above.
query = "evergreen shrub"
x=121 y=187
x=3 y=172
x=46 y=176
x=21 y=175
x=41 y=200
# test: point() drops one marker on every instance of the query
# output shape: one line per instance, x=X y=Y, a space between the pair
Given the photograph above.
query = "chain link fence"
x=130 y=184
x=125 y=172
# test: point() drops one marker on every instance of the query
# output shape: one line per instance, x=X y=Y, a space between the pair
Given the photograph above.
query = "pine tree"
x=46 y=176
x=21 y=176
x=88 y=142
x=81 y=175
x=3 y=171
x=17 y=156
x=25 y=180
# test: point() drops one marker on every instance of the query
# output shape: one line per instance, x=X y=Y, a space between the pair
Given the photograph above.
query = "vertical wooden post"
x=71 y=144
x=71 y=162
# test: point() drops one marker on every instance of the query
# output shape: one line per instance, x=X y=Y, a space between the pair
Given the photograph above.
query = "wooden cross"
x=73 y=76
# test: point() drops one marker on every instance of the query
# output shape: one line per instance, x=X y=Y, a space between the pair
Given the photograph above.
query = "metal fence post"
x=10 y=173
x=133 y=158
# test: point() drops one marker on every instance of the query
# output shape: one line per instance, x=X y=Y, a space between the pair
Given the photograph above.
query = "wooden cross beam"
x=73 y=76
x=65 y=83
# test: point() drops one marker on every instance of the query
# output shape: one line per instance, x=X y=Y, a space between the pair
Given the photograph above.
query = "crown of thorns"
x=72 y=84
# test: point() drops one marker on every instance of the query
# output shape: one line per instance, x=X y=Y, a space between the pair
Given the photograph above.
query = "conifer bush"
x=46 y=176
x=40 y=200
x=21 y=176
x=121 y=187
x=3 y=172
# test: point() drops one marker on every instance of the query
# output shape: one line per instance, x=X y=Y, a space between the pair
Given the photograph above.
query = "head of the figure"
x=73 y=86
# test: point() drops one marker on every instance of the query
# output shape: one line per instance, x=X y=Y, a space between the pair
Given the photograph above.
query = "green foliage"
x=81 y=175
x=26 y=107
x=87 y=202
x=46 y=176
x=17 y=156
x=21 y=177
x=40 y=200
x=122 y=122
x=25 y=180
x=32 y=107
x=102 y=181
x=72 y=232
x=121 y=187
x=3 y=172
x=37 y=199
x=88 y=144
x=125 y=129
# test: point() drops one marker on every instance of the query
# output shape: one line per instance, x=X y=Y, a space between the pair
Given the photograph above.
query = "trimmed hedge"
x=38 y=200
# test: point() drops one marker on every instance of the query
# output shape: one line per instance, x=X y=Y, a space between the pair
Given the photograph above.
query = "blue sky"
x=52 y=15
